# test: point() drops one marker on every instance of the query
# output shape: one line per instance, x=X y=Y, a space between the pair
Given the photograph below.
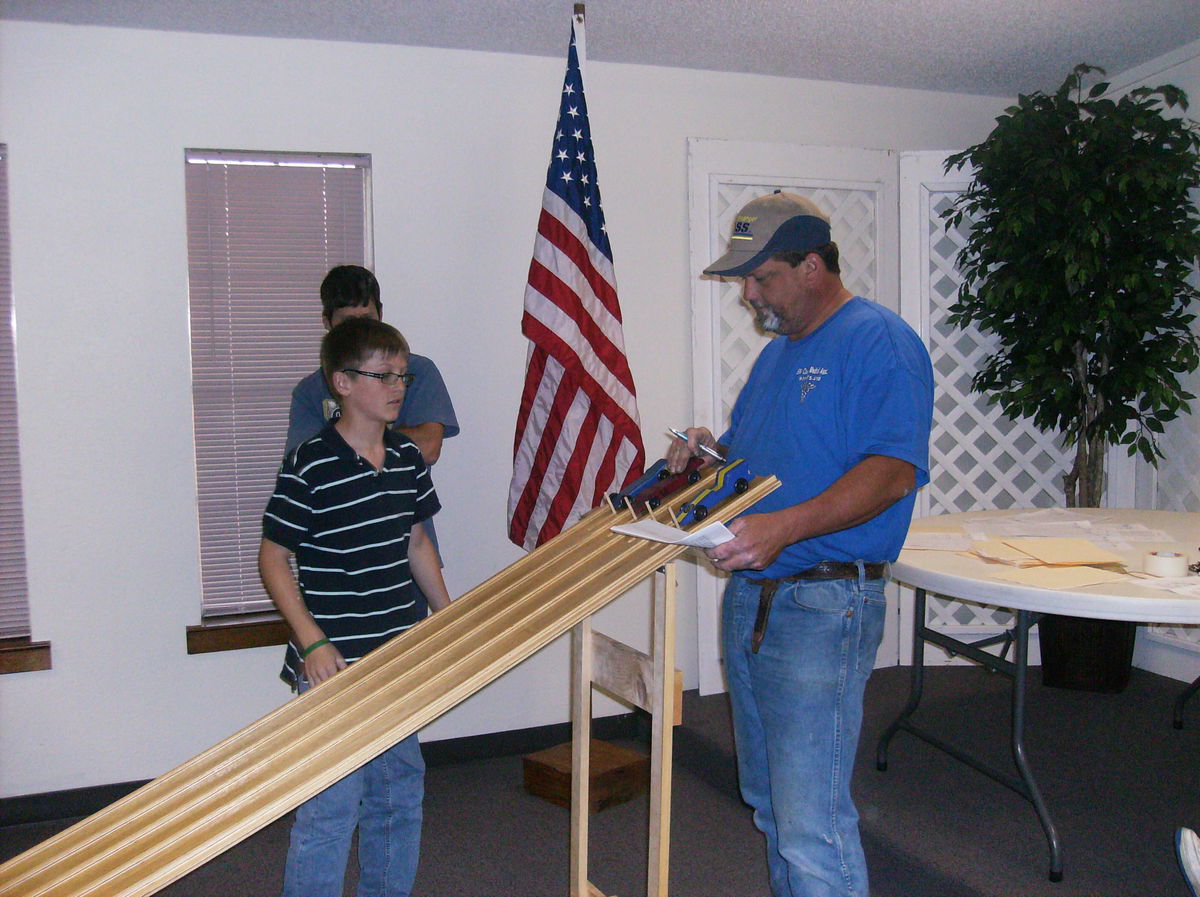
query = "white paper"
x=1050 y=515
x=709 y=537
x=1057 y=523
x=1181 y=585
x=938 y=541
x=1129 y=532
x=1017 y=528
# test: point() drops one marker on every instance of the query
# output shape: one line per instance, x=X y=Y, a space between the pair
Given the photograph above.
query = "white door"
x=858 y=190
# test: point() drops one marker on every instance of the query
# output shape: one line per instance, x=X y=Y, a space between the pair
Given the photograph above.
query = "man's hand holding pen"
x=758 y=538
x=694 y=442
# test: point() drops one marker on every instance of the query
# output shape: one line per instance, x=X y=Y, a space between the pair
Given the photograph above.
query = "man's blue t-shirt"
x=860 y=384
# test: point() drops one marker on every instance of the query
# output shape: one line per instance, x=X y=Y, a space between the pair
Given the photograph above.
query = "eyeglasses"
x=389 y=378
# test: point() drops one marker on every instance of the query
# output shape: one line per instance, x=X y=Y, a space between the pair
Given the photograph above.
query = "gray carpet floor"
x=1116 y=776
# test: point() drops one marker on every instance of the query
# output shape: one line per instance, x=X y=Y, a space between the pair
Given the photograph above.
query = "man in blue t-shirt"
x=839 y=408
x=427 y=415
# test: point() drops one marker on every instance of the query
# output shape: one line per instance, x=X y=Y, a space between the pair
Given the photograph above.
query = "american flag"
x=577 y=435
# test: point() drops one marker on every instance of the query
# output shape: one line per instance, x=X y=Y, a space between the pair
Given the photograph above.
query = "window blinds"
x=14 y=590
x=263 y=229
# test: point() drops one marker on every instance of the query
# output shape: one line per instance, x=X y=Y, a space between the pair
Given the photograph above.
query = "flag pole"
x=580 y=42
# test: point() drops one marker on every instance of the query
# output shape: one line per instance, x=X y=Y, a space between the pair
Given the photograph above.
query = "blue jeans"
x=383 y=799
x=797 y=712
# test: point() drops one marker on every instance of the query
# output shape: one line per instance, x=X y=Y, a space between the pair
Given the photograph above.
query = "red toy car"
x=651 y=498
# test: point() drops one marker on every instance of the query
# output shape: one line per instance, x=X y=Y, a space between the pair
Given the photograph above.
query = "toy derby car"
x=729 y=481
x=648 y=491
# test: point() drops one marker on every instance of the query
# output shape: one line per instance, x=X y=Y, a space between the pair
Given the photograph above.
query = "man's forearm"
x=862 y=493
x=867 y=489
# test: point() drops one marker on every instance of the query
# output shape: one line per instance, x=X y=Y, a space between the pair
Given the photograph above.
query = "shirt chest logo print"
x=809 y=377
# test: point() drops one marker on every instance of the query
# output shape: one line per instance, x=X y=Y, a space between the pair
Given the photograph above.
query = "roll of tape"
x=1165 y=563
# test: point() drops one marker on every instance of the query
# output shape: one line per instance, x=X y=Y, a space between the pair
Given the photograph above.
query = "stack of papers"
x=1054 y=548
x=1052 y=563
x=1068 y=552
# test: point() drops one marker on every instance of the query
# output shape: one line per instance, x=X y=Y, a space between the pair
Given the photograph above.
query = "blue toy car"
x=655 y=472
x=729 y=481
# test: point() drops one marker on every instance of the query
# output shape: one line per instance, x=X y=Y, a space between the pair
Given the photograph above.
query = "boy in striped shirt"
x=349 y=505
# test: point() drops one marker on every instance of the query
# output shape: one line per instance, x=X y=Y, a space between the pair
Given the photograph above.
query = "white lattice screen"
x=980 y=459
x=1177 y=488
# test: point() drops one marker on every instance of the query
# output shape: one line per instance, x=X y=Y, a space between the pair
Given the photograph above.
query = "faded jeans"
x=383 y=799
x=797 y=712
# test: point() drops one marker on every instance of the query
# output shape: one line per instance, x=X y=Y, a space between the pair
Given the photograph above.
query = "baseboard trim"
x=55 y=805
x=1171 y=657
x=51 y=806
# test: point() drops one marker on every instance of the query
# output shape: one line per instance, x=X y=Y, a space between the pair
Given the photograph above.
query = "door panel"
x=858 y=190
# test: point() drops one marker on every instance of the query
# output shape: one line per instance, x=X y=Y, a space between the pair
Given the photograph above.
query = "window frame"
x=19 y=653
x=247 y=199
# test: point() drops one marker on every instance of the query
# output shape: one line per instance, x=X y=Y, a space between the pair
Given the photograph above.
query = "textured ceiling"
x=998 y=47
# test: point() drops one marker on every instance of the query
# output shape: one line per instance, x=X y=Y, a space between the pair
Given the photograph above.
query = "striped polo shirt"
x=348 y=526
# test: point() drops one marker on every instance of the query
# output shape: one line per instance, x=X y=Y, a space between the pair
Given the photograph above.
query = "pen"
x=704 y=448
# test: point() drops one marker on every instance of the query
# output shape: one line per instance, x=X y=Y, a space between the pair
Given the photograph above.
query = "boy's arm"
x=423 y=561
x=428 y=439
x=281 y=585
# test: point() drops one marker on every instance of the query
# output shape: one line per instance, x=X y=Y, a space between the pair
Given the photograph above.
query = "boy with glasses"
x=350 y=504
x=426 y=415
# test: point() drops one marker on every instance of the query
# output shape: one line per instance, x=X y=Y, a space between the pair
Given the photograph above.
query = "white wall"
x=1175 y=484
x=1178 y=471
x=96 y=121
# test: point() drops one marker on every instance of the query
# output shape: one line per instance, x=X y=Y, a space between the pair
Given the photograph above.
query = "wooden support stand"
x=648 y=682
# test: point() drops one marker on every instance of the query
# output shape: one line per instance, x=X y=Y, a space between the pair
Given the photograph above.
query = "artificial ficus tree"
x=1080 y=258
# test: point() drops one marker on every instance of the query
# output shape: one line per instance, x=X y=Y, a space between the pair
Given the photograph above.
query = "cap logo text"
x=741 y=228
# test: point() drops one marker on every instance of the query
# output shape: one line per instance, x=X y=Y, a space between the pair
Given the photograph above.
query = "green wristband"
x=313 y=647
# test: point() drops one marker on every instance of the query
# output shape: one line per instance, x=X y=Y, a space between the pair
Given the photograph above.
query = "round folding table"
x=961 y=575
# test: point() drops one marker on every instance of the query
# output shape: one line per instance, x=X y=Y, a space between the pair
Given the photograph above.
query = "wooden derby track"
x=184 y=818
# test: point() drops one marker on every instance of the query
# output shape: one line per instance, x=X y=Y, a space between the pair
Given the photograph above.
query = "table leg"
x=916 y=683
x=1184 y=697
x=1032 y=793
x=1024 y=785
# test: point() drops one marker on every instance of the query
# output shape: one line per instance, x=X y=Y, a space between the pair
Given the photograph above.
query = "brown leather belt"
x=823 y=570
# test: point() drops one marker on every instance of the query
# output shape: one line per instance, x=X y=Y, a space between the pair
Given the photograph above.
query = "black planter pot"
x=1086 y=655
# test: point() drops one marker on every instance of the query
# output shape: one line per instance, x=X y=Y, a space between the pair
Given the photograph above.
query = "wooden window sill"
x=233 y=633
x=23 y=655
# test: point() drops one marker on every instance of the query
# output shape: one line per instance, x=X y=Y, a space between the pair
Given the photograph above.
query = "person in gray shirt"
x=427 y=416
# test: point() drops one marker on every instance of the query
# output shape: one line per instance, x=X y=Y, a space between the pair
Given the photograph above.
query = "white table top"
x=958 y=575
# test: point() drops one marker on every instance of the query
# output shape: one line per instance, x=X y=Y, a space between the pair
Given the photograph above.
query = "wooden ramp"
x=184 y=818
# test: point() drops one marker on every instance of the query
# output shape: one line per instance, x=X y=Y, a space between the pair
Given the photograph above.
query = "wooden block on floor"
x=618 y=774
